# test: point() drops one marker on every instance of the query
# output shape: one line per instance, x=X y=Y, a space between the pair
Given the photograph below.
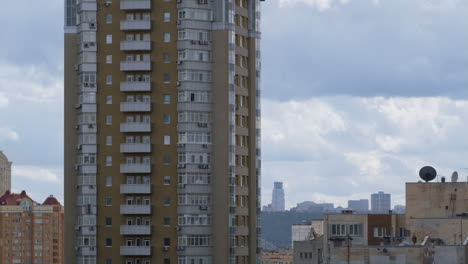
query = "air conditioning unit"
x=203 y=207
x=181 y=185
x=165 y=248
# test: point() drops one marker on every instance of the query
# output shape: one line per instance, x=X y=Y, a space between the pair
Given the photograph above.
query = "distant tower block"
x=5 y=174
x=277 y=201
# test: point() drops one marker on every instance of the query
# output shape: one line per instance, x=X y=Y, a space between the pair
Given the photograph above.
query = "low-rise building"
x=306 y=230
x=278 y=256
x=30 y=232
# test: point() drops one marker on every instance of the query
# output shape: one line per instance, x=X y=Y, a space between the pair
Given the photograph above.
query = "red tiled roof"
x=13 y=198
x=51 y=201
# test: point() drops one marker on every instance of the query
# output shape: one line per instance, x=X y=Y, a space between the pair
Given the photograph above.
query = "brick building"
x=30 y=232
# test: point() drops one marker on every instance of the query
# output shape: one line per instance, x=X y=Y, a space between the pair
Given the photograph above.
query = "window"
x=166 y=160
x=108 y=201
x=109 y=99
x=109 y=18
x=109 y=39
x=166 y=58
x=108 y=120
x=167 y=241
x=167 y=140
x=108 y=242
x=167 y=78
x=108 y=140
x=167 y=17
x=108 y=221
x=167 y=118
x=166 y=221
x=167 y=261
x=166 y=201
x=167 y=99
x=108 y=79
x=108 y=181
x=109 y=59
x=167 y=180
x=108 y=161
x=167 y=37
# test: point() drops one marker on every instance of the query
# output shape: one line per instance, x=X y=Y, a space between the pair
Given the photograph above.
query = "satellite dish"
x=427 y=173
x=454 y=176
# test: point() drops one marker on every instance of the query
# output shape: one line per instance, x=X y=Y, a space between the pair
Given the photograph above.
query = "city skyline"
x=370 y=128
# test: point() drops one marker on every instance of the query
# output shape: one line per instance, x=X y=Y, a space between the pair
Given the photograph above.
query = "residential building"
x=162 y=119
x=308 y=251
x=277 y=199
x=381 y=202
x=277 y=256
x=30 y=232
x=5 y=173
x=399 y=209
x=306 y=230
x=361 y=205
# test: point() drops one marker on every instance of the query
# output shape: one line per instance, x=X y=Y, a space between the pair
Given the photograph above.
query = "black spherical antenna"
x=427 y=173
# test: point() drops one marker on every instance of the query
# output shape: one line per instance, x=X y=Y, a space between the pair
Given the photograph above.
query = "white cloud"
x=32 y=83
x=8 y=134
x=36 y=173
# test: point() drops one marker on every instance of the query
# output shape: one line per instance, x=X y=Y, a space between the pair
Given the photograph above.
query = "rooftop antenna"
x=427 y=173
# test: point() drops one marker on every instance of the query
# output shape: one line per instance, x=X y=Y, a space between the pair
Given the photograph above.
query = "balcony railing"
x=135 y=127
x=135 y=168
x=135 y=107
x=135 y=86
x=135 y=188
x=135 y=209
x=135 y=148
x=135 y=45
x=135 y=25
x=135 y=66
x=135 y=230
x=135 y=4
x=135 y=251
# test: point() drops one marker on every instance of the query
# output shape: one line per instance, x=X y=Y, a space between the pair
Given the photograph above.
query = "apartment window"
x=108 y=161
x=108 y=221
x=166 y=221
x=108 y=120
x=108 y=79
x=167 y=180
x=166 y=160
x=109 y=39
x=108 y=242
x=167 y=78
x=109 y=99
x=109 y=18
x=109 y=59
x=167 y=118
x=167 y=241
x=167 y=37
x=166 y=200
x=167 y=261
x=108 y=201
x=167 y=140
x=108 y=261
x=108 y=140
x=167 y=17
x=166 y=58
x=167 y=99
x=108 y=181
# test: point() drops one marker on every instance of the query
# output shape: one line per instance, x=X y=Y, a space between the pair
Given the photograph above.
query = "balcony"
x=135 y=4
x=135 y=25
x=135 y=148
x=135 y=107
x=135 y=86
x=135 y=45
x=135 y=127
x=135 y=251
x=135 y=168
x=135 y=65
x=135 y=188
x=135 y=230
x=135 y=209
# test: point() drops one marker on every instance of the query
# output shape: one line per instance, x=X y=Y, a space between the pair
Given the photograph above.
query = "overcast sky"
x=357 y=95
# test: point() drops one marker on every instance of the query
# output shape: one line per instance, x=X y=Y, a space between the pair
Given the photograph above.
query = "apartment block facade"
x=30 y=232
x=5 y=173
x=162 y=131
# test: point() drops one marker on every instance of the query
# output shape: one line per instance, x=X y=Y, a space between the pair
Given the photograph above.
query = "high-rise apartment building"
x=380 y=202
x=5 y=173
x=30 y=232
x=277 y=199
x=162 y=131
x=361 y=205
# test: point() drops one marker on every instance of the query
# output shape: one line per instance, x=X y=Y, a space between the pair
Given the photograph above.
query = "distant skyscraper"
x=359 y=205
x=5 y=174
x=277 y=200
x=380 y=202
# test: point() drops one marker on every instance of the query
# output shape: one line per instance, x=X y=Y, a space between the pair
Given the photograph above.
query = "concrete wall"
x=313 y=249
